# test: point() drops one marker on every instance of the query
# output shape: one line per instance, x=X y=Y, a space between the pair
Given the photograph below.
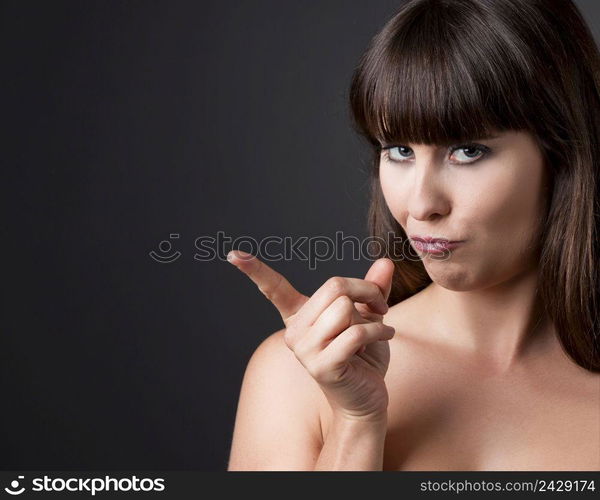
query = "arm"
x=277 y=423
x=353 y=446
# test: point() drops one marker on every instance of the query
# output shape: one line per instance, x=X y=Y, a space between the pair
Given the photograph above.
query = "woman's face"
x=494 y=202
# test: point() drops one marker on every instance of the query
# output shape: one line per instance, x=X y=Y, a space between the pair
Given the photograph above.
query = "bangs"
x=427 y=78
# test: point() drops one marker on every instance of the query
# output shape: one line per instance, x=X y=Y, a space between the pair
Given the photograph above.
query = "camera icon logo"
x=15 y=484
x=164 y=247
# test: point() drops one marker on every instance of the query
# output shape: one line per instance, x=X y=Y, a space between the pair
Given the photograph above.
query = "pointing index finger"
x=272 y=284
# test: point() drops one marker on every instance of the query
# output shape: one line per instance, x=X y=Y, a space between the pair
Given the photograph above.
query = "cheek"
x=507 y=207
x=393 y=188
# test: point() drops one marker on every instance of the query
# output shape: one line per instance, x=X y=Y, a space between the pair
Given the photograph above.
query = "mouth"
x=434 y=245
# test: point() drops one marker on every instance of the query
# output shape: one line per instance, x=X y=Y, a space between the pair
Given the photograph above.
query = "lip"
x=430 y=244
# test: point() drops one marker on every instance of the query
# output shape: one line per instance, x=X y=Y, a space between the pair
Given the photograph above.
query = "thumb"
x=381 y=273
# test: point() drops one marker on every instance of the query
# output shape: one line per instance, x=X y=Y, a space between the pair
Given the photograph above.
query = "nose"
x=428 y=197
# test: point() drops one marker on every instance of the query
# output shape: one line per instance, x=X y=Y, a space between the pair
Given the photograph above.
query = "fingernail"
x=230 y=256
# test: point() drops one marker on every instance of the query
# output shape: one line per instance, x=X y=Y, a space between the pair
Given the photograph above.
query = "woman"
x=484 y=120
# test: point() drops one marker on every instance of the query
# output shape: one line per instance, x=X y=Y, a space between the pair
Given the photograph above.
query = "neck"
x=500 y=324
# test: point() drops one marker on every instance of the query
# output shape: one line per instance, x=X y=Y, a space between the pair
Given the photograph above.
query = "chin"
x=454 y=277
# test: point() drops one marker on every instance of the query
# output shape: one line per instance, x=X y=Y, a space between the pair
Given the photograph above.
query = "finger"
x=380 y=273
x=357 y=289
x=339 y=316
x=272 y=284
x=347 y=343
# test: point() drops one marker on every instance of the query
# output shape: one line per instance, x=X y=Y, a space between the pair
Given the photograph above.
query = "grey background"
x=122 y=123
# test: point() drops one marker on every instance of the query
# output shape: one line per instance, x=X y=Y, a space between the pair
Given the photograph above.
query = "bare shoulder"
x=273 y=358
x=278 y=403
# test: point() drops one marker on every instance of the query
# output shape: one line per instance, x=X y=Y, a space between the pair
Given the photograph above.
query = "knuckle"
x=357 y=332
x=315 y=369
x=336 y=285
x=288 y=338
x=300 y=350
x=344 y=303
x=291 y=321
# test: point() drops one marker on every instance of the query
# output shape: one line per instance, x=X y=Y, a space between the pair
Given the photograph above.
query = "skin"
x=494 y=385
x=484 y=292
x=333 y=351
x=477 y=378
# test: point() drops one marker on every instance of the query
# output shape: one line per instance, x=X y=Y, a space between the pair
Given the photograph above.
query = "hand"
x=337 y=333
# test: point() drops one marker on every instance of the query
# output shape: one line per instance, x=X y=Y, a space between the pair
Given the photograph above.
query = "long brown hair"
x=448 y=71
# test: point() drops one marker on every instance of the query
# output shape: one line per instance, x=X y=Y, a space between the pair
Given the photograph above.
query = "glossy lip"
x=429 y=244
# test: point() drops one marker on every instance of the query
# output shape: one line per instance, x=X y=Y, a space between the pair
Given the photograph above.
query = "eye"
x=470 y=153
x=396 y=153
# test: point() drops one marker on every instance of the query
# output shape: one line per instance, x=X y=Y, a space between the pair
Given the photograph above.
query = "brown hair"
x=448 y=71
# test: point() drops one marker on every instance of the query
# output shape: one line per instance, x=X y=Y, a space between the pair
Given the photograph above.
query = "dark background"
x=123 y=123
